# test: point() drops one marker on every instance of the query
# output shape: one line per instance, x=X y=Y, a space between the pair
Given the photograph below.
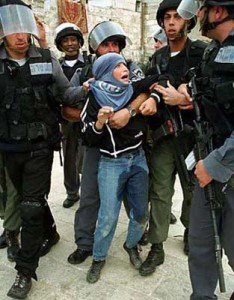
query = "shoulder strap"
x=2 y=68
x=46 y=54
x=87 y=58
x=197 y=44
x=86 y=73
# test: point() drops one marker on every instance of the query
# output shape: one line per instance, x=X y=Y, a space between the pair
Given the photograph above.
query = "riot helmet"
x=104 y=31
x=16 y=17
x=189 y=8
x=66 y=29
x=171 y=4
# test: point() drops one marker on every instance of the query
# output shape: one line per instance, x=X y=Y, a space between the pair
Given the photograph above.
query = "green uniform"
x=164 y=165
x=167 y=151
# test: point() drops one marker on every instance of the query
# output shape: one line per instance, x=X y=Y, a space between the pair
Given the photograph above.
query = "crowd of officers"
x=43 y=105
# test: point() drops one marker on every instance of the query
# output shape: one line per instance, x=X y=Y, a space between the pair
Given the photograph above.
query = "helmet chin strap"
x=183 y=32
x=207 y=26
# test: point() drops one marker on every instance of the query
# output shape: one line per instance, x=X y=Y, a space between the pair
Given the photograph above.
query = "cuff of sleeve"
x=155 y=96
x=216 y=170
x=96 y=130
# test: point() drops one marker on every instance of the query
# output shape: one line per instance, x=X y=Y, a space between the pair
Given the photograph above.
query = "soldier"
x=9 y=202
x=69 y=39
x=214 y=79
x=160 y=40
x=31 y=78
x=9 y=212
x=105 y=37
x=173 y=143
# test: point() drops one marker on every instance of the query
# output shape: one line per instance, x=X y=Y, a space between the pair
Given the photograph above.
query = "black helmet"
x=171 y=4
x=66 y=29
x=14 y=2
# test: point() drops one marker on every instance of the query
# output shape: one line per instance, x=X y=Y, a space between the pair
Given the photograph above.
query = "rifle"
x=202 y=148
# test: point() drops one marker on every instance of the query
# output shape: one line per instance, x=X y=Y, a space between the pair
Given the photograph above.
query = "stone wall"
x=136 y=17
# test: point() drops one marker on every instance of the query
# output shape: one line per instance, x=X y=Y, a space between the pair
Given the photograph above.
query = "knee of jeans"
x=142 y=219
x=107 y=224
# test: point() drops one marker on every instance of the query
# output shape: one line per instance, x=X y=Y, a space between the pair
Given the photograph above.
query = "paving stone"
x=58 y=280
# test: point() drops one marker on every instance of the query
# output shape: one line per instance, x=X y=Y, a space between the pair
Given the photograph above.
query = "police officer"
x=105 y=37
x=69 y=39
x=215 y=80
x=9 y=202
x=31 y=78
x=171 y=142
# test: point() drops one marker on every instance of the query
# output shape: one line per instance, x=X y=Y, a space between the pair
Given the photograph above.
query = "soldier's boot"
x=12 y=238
x=3 y=243
x=155 y=258
x=20 y=287
x=186 y=244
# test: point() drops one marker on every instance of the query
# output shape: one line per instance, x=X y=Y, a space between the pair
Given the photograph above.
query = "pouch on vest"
x=18 y=132
x=36 y=130
x=44 y=111
x=224 y=93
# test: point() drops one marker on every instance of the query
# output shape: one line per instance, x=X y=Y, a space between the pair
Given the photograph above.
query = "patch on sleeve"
x=41 y=68
x=225 y=55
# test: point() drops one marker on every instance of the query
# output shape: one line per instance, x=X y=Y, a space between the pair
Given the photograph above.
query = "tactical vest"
x=190 y=57
x=69 y=71
x=216 y=85
x=27 y=108
x=175 y=68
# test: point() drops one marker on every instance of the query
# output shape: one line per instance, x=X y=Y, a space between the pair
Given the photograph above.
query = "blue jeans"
x=127 y=176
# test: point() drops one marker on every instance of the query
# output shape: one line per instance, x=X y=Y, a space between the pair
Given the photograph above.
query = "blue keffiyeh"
x=106 y=89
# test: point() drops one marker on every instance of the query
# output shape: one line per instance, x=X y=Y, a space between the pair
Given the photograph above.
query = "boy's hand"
x=103 y=115
x=149 y=107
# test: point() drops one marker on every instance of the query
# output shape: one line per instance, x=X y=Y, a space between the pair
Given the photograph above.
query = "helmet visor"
x=189 y=8
x=17 y=19
x=103 y=31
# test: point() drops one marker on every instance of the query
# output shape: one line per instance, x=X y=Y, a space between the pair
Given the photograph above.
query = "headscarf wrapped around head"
x=106 y=89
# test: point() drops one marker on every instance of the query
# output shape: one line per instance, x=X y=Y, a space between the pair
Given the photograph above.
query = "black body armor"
x=27 y=108
x=216 y=86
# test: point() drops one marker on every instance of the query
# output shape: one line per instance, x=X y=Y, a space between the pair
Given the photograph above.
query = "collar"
x=79 y=59
x=230 y=36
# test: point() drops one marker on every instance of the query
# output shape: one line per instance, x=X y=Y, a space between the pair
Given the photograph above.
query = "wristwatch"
x=131 y=110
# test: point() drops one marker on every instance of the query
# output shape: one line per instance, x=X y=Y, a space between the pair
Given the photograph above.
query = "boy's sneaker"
x=134 y=256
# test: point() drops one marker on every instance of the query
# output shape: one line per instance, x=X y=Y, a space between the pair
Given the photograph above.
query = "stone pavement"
x=58 y=280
